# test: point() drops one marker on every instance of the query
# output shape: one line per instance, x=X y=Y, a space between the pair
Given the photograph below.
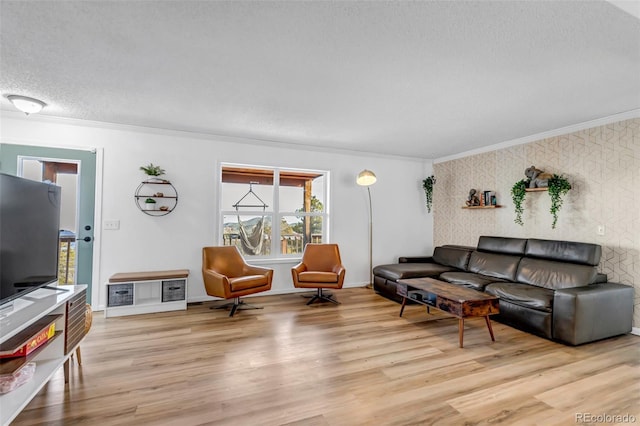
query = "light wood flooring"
x=353 y=364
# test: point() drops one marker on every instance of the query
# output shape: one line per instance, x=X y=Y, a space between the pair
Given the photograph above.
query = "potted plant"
x=427 y=185
x=149 y=204
x=152 y=171
x=558 y=188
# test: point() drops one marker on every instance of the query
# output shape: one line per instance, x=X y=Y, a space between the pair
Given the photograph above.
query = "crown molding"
x=635 y=113
x=51 y=119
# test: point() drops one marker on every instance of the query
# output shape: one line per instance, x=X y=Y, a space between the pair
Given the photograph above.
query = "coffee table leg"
x=460 y=330
x=489 y=327
x=404 y=302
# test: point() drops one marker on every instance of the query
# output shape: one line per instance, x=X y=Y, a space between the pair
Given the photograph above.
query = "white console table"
x=15 y=322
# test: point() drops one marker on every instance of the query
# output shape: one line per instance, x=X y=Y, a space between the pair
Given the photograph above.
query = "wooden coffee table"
x=459 y=301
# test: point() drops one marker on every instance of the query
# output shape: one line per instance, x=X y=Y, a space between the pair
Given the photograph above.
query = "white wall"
x=143 y=243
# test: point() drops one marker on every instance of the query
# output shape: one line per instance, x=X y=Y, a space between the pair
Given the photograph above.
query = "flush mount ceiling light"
x=26 y=104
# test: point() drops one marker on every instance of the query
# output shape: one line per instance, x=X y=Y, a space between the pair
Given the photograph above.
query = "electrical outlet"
x=600 y=230
x=113 y=225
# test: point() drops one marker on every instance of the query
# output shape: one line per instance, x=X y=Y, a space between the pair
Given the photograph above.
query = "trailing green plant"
x=152 y=170
x=150 y=201
x=518 y=192
x=558 y=187
x=427 y=185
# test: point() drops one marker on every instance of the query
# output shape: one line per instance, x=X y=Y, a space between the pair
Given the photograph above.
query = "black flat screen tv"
x=29 y=235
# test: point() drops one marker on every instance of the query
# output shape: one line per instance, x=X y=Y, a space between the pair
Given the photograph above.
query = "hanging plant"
x=427 y=185
x=558 y=187
x=518 y=192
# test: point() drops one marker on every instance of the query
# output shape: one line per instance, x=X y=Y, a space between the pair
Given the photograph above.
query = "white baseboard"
x=635 y=330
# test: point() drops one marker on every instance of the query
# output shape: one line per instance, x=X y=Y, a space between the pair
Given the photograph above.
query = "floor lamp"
x=368 y=178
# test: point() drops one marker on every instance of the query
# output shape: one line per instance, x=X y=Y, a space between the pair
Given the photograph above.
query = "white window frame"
x=275 y=213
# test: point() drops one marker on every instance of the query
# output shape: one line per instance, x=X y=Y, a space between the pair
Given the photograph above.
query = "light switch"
x=113 y=225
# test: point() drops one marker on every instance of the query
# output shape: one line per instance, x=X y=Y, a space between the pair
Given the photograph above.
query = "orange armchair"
x=226 y=274
x=320 y=268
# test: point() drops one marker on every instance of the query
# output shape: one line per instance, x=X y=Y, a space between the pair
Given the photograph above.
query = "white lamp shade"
x=26 y=104
x=366 y=178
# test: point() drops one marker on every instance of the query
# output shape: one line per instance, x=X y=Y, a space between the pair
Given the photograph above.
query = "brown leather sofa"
x=546 y=287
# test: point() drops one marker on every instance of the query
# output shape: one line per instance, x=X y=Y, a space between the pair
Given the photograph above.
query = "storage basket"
x=173 y=290
x=120 y=295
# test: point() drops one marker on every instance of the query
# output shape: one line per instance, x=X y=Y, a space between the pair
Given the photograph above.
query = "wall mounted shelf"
x=481 y=207
x=158 y=190
x=536 y=189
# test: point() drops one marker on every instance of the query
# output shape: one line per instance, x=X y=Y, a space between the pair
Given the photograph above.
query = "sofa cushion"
x=564 y=251
x=399 y=271
x=494 y=265
x=513 y=246
x=554 y=275
x=468 y=279
x=528 y=296
x=456 y=257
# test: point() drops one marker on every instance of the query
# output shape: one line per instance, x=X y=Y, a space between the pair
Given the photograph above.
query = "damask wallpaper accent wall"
x=603 y=166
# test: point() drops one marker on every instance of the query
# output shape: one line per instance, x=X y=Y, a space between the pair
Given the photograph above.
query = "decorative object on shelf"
x=536 y=178
x=368 y=178
x=148 y=190
x=481 y=200
x=558 y=187
x=153 y=171
x=518 y=192
x=9 y=382
x=427 y=185
x=149 y=204
x=472 y=198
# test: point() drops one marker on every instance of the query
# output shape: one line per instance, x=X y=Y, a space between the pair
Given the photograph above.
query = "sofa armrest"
x=593 y=312
x=415 y=259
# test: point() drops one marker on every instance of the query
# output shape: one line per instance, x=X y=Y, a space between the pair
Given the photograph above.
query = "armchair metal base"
x=323 y=297
x=236 y=305
x=309 y=296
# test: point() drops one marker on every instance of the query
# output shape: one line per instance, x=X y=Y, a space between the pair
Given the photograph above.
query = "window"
x=272 y=212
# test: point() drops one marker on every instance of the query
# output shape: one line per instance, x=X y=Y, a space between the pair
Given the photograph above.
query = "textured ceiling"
x=422 y=79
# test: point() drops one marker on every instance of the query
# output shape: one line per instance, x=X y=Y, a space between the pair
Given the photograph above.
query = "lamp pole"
x=370 y=240
x=368 y=178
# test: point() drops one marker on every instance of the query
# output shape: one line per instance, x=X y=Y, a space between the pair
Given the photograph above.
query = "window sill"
x=273 y=260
